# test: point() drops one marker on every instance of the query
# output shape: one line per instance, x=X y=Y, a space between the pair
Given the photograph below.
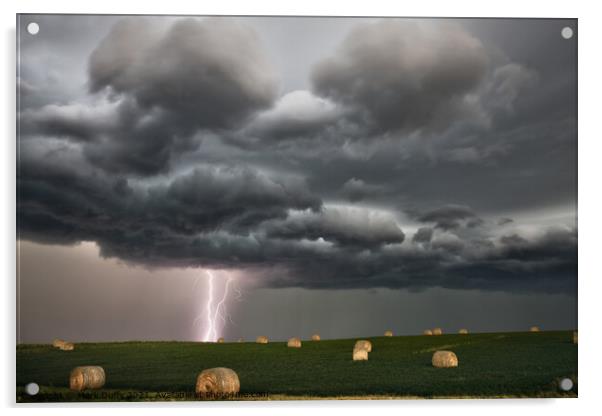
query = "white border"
x=589 y=188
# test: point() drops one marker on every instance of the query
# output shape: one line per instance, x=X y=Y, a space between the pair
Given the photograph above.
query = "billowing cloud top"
x=404 y=75
x=406 y=154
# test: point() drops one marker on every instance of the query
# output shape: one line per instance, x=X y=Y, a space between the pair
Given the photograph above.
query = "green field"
x=491 y=365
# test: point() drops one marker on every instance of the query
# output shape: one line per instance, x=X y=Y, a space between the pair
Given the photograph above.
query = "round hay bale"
x=220 y=340
x=360 y=354
x=67 y=346
x=444 y=359
x=363 y=344
x=463 y=331
x=294 y=343
x=86 y=377
x=218 y=380
x=437 y=331
x=315 y=337
x=262 y=339
x=574 y=337
x=388 y=333
x=427 y=332
x=534 y=329
x=58 y=343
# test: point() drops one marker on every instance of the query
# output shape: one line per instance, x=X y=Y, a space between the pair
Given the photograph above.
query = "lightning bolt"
x=236 y=289
x=216 y=312
x=210 y=322
x=220 y=305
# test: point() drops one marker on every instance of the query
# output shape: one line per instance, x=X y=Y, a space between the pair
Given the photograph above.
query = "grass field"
x=491 y=365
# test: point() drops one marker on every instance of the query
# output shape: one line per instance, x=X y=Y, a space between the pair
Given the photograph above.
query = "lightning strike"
x=220 y=306
x=210 y=322
x=216 y=314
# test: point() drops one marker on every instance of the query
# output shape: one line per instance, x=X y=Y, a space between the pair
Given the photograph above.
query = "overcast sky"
x=346 y=176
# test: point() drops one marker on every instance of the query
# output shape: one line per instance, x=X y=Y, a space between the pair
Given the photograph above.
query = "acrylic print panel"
x=243 y=208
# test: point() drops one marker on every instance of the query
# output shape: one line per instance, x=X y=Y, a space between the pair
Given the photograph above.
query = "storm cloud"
x=72 y=204
x=233 y=217
x=162 y=85
x=397 y=161
x=212 y=73
x=400 y=75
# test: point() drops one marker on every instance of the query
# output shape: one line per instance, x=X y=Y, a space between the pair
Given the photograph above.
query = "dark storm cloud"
x=213 y=73
x=548 y=247
x=397 y=84
x=238 y=197
x=116 y=136
x=397 y=76
x=67 y=202
x=547 y=260
x=236 y=217
x=181 y=154
x=451 y=264
x=404 y=75
x=486 y=135
x=163 y=86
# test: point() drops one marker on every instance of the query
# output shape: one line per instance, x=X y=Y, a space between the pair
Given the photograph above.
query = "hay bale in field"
x=315 y=337
x=58 y=343
x=360 y=354
x=437 y=331
x=574 y=337
x=86 y=377
x=220 y=340
x=218 y=380
x=444 y=359
x=294 y=343
x=363 y=344
x=262 y=339
x=67 y=346
x=534 y=329
x=463 y=331
x=388 y=333
x=427 y=332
